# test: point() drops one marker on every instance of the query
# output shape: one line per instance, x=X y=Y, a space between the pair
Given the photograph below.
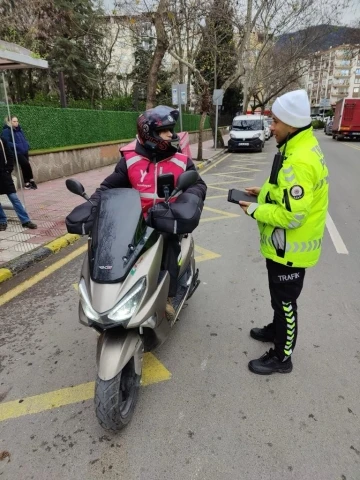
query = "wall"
x=57 y=164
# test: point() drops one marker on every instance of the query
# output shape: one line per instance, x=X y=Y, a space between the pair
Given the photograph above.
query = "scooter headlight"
x=86 y=304
x=125 y=309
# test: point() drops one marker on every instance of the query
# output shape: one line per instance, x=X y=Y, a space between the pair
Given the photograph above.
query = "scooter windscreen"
x=117 y=231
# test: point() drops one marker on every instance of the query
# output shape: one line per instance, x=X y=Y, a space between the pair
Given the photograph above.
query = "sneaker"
x=33 y=185
x=30 y=224
x=170 y=310
x=262 y=334
x=28 y=186
x=3 y=226
x=269 y=363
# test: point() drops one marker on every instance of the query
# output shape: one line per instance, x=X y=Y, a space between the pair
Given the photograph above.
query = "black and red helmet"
x=151 y=122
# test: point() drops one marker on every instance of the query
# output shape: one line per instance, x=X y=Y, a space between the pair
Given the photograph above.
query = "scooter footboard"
x=114 y=350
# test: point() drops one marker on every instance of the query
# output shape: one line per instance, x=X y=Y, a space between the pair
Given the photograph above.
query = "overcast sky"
x=351 y=14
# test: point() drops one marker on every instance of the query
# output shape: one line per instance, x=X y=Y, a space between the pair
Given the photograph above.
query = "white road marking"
x=335 y=236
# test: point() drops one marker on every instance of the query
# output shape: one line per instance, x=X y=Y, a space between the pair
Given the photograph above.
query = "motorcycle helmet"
x=154 y=120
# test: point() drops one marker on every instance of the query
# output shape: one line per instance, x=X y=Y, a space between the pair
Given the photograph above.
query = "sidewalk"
x=48 y=206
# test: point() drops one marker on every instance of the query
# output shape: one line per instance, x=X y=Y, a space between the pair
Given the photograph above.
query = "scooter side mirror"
x=74 y=186
x=185 y=180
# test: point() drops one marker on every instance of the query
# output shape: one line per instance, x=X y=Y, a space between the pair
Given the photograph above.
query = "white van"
x=247 y=132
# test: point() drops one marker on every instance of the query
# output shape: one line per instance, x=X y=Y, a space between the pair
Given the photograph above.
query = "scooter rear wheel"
x=115 y=399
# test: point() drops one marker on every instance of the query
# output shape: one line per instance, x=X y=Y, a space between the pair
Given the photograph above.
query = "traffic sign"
x=179 y=93
x=218 y=96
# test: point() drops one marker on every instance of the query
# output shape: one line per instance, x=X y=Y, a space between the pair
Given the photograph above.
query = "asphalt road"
x=213 y=419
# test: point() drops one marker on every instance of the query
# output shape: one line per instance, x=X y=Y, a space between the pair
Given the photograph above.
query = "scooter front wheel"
x=115 y=399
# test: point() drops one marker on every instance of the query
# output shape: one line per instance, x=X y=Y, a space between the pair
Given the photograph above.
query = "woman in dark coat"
x=22 y=149
x=7 y=187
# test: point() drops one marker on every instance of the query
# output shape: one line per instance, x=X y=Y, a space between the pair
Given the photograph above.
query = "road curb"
x=25 y=261
x=205 y=163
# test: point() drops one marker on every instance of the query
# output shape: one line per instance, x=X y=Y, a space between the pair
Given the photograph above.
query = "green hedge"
x=317 y=124
x=47 y=127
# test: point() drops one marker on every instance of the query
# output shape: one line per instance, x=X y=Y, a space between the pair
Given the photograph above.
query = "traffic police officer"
x=291 y=212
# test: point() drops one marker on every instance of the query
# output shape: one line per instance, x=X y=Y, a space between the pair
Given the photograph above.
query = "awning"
x=15 y=57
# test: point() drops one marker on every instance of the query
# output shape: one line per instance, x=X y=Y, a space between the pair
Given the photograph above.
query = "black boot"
x=264 y=334
x=269 y=363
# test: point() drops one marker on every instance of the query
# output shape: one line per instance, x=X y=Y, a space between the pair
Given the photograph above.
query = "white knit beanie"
x=293 y=108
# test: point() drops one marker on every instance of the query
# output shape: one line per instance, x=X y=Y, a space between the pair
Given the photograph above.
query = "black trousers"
x=285 y=284
x=25 y=166
x=170 y=260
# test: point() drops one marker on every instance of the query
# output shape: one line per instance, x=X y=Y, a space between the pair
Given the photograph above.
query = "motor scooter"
x=123 y=294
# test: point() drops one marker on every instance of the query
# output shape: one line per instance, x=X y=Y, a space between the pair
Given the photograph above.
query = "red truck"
x=346 y=123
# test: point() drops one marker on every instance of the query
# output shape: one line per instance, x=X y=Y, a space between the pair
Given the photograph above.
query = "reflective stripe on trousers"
x=290 y=332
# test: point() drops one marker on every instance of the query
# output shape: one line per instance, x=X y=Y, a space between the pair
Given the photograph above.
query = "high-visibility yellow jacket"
x=291 y=215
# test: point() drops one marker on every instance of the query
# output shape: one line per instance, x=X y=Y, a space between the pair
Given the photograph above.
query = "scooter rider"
x=157 y=152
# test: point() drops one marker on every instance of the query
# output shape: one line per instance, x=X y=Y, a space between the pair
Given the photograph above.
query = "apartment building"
x=331 y=75
x=125 y=33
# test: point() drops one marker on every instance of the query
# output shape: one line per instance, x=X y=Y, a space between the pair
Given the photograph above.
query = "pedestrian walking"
x=22 y=149
x=7 y=187
x=291 y=212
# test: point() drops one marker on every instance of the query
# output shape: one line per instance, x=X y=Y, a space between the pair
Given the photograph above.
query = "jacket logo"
x=287 y=278
x=143 y=175
x=297 y=192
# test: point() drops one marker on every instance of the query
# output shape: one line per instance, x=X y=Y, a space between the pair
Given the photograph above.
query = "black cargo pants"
x=285 y=284
x=170 y=260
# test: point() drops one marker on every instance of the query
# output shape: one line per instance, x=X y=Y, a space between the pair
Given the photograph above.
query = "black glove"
x=181 y=216
x=81 y=219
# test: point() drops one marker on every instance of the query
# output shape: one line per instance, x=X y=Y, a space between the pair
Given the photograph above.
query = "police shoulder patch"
x=297 y=192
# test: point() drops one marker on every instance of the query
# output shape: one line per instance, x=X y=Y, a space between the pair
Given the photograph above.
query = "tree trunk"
x=19 y=86
x=205 y=109
x=201 y=129
x=31 y=85
x=160 y=50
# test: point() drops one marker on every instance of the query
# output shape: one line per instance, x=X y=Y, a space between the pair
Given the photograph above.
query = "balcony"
x=341 y=55
x=345 y=83
x=340 y=95
x=343 y=64
x=341 y=75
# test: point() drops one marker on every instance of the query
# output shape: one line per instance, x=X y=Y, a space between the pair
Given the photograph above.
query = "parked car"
x=328 y=128
x=269 y=121
x=247 y=133
x=267 y=130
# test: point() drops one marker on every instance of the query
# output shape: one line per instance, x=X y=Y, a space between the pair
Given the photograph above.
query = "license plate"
x=244 y=144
